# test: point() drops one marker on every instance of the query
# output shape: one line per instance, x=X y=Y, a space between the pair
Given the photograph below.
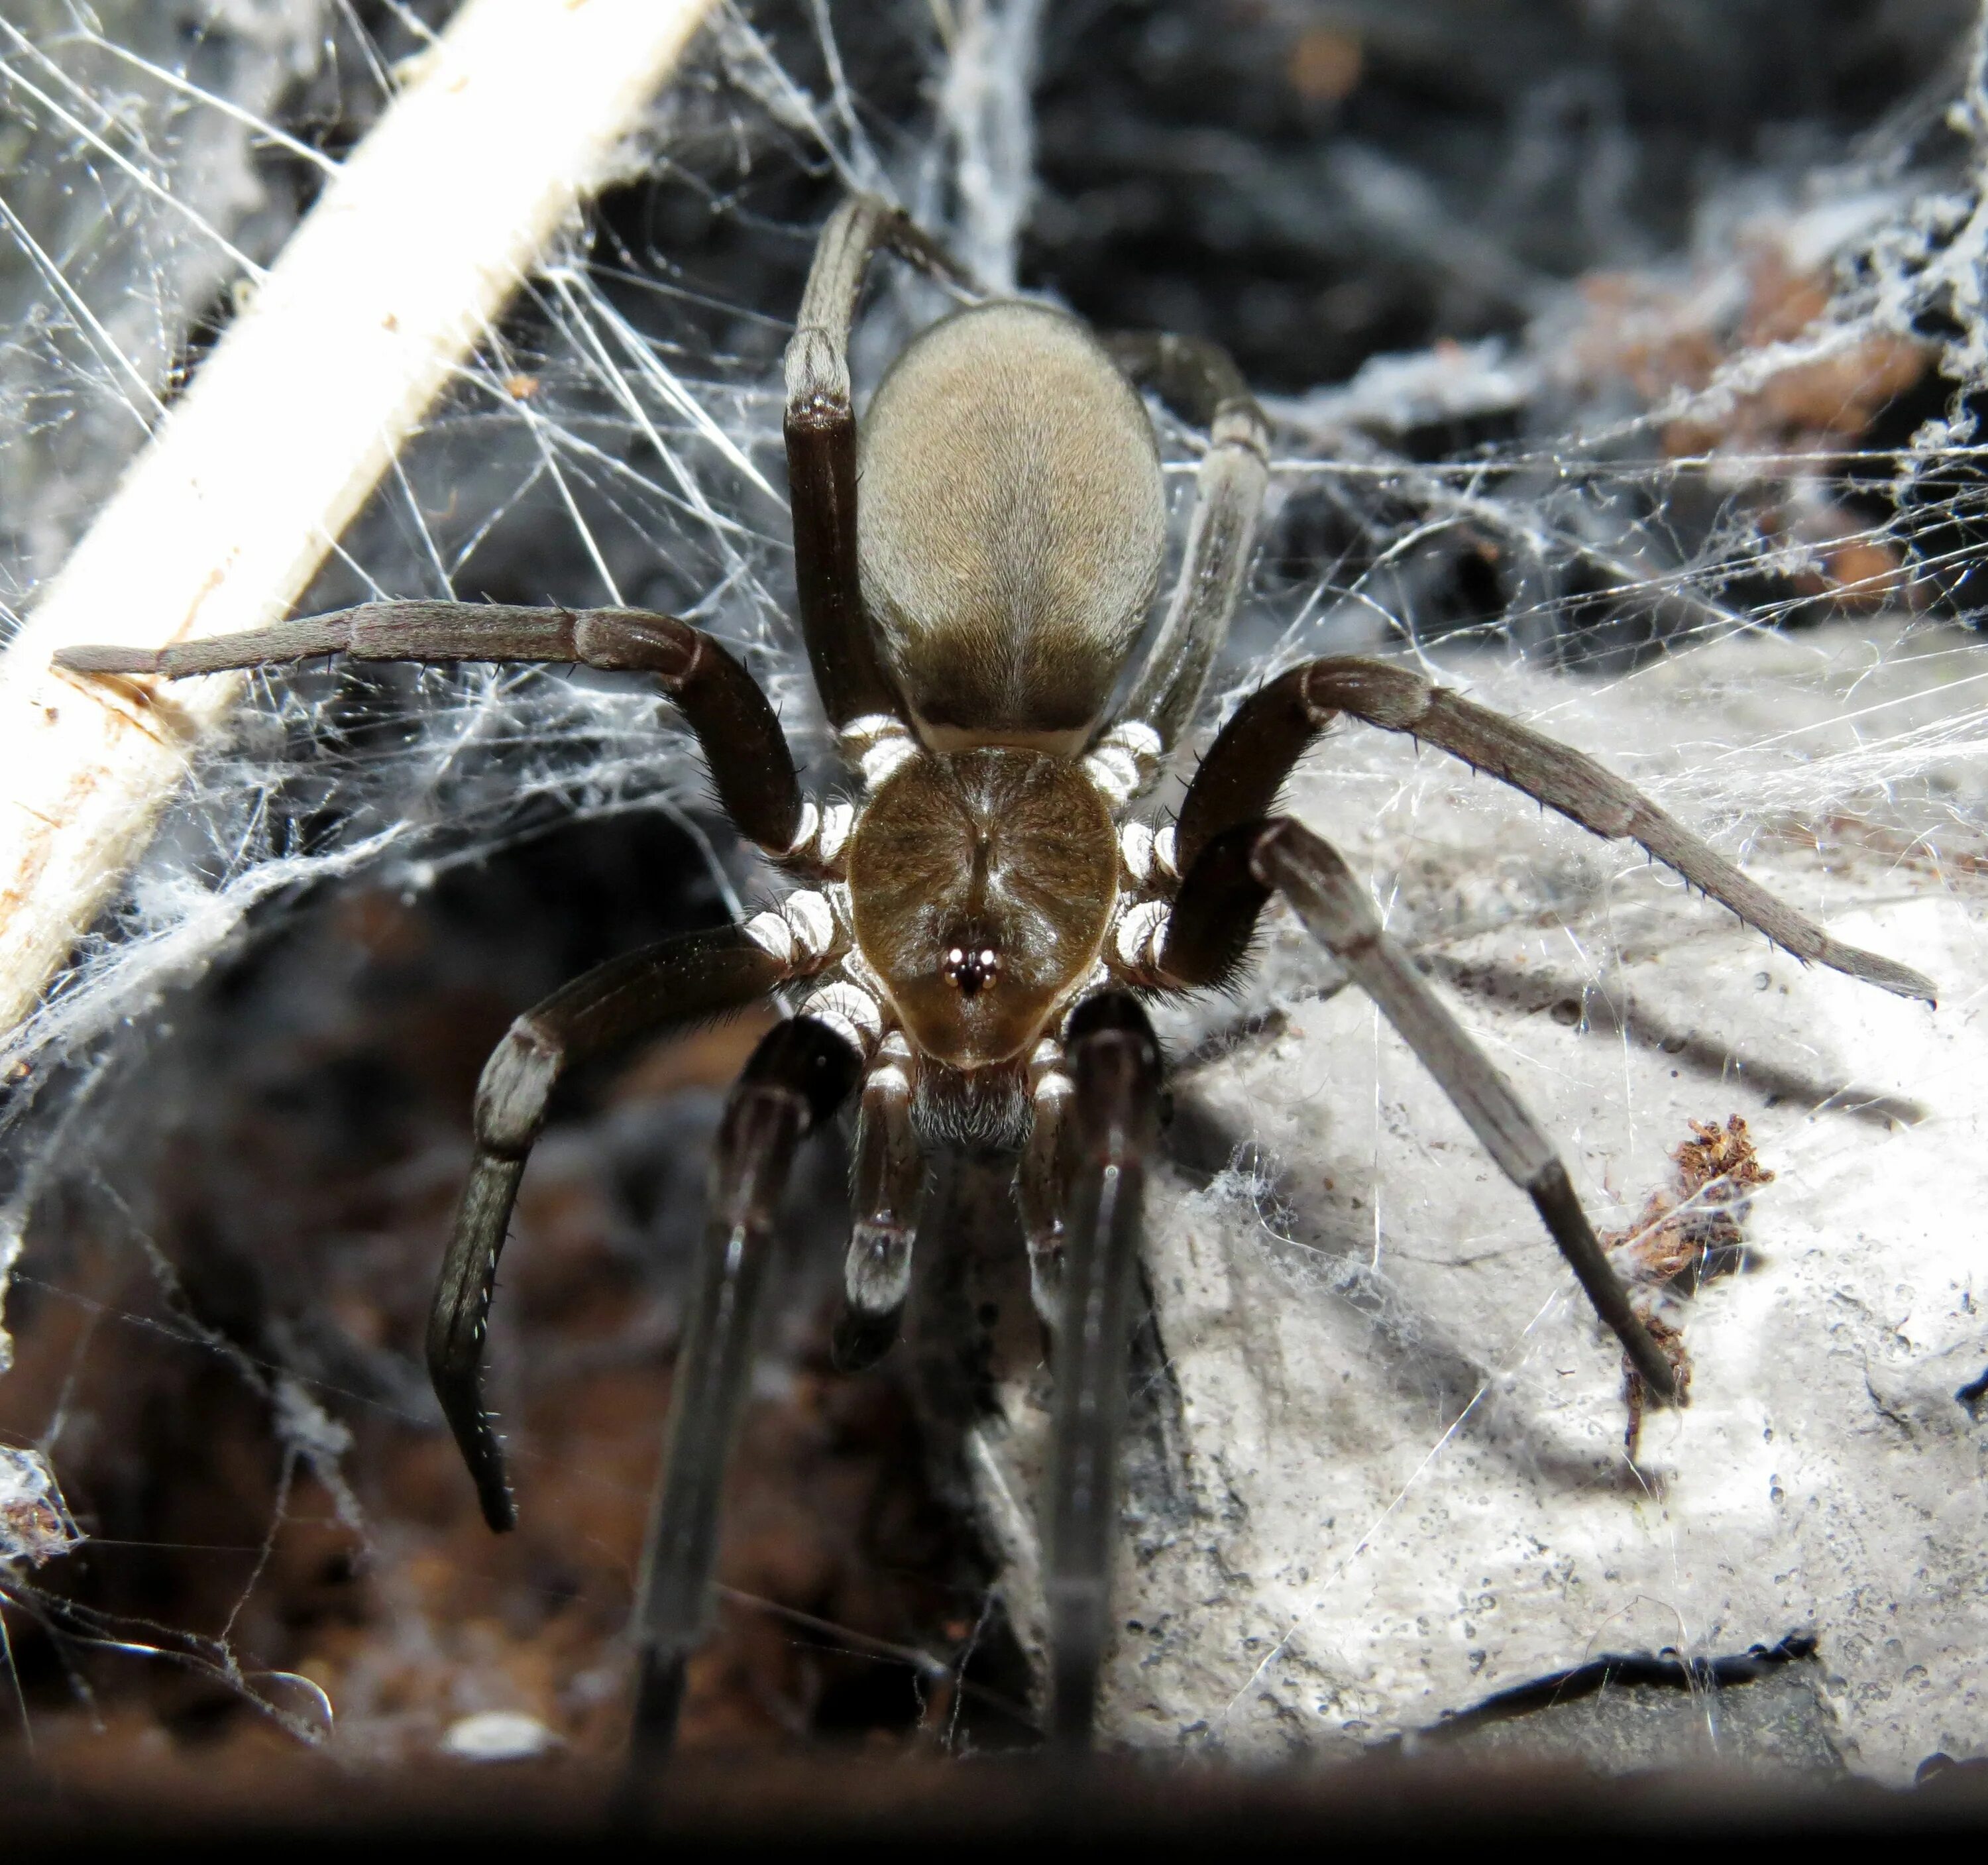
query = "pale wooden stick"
x=388 y=285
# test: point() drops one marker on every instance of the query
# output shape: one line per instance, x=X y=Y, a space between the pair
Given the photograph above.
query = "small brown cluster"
x=1685 y=1237
x=1659 y=339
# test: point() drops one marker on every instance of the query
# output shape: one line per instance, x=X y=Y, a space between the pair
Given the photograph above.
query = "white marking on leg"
x=1142 y=931
x=837 y=821
x=879 y=744
x=852 y=1013
x=772 y=935
x=812 y=918
x=1135 y=850
x=1124 y=762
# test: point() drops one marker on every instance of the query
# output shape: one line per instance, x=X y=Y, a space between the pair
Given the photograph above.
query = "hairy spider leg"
x=1046 y=1174
x=1200 y=382
x=1246 y=767
x=800 y=1075
x=1208 y=935
x=661 y=989
x=732 y=720
x=889 y=1191
x=820 y=430
x=1115 y=1072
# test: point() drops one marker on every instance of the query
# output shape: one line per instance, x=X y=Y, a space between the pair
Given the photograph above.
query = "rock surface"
x=1400 y=1483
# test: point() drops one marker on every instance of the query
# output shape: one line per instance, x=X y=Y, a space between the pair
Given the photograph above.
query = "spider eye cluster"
x=970 y=968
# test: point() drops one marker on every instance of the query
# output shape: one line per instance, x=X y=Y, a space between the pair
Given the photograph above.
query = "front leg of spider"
x=732 y=720
x=798 y=1076
x=654 y=991
x=1114 y=1061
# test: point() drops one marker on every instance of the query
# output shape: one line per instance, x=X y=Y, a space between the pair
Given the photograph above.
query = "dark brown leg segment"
x=735 y=727
x=890 y=1189
x=820 y=428
x=799 y=1075
x=1114 y=1066
x=1201 y=383
x=1247 y=766
x=1198 y=380
x=673 y=986
x=1209 y=929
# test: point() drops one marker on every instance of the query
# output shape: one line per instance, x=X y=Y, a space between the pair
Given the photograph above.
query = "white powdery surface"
x=1403 y=1480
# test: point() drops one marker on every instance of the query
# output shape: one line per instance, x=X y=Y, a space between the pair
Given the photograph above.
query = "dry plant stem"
x=389 y=285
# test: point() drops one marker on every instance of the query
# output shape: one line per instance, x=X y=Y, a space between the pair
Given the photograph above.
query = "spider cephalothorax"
x=971 y=939
x=981 y=886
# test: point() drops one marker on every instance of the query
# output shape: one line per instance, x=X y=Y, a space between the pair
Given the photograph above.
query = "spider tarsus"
x=1074 y=1664
x=652 y=1734
x=862 y=1338
x=659 y=1697
x=1553 y=1192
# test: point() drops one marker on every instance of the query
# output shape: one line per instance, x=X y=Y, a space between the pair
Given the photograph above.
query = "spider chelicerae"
x=971 y=939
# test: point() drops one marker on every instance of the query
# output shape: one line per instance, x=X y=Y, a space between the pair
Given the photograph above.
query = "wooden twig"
x=391 y=282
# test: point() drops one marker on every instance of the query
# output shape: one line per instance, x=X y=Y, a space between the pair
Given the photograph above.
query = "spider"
x=971 y=940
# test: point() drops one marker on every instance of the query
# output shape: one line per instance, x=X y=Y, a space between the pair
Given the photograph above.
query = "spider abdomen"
x=1012 y=526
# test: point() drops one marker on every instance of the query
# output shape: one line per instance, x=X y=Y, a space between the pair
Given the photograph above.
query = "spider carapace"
x=973 y=934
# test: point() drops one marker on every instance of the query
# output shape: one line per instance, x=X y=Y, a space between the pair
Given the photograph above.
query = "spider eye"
x=970 y=970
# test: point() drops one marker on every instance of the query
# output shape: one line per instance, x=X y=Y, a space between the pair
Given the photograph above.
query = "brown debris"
x=1686 y=1237
x=1662 y=340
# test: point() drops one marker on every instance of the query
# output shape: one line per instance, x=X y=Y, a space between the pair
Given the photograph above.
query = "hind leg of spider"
x=1115 y=1069
x=1207 y=935
x=664 y=987
x=1201 y=383
x=820 y=434
x=800 y=1075
x=1247 y=765
x=889 y=1188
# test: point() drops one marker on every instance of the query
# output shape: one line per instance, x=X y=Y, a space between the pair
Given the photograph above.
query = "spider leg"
x=672 y=986
x=733 y=723
x=1043 y=1178
x=1239 y=780
x=890 y=1187
x=799 y=1075
x=820 y=428
x=1206 y=936
x=1201 y=383
x=1114 y=1065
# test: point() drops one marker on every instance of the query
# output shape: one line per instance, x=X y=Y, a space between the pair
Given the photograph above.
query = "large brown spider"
x=973 y=937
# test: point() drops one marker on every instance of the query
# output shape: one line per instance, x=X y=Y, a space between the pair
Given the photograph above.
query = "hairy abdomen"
x=1012 y=526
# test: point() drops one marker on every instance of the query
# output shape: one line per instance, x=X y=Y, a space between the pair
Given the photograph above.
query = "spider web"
x=1682 y=455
